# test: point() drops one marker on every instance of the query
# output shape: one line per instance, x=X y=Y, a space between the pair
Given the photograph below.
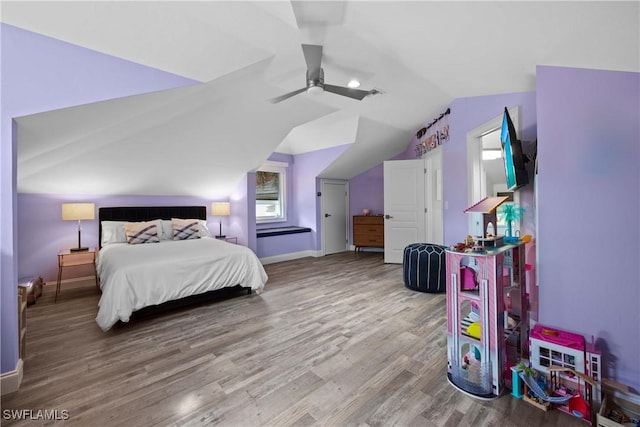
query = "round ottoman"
x=424 y=267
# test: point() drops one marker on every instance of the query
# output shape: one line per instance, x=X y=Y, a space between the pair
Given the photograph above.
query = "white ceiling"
x=420 y=55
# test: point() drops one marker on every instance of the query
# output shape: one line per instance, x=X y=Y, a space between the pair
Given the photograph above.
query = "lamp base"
x=221 y=237
x=83 y=249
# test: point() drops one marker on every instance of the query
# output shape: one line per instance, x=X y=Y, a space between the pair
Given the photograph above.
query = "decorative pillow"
x=113 y=232
x=185 y=229
x=141 y=232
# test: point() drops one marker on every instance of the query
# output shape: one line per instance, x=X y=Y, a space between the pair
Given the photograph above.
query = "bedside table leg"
x=55 y=300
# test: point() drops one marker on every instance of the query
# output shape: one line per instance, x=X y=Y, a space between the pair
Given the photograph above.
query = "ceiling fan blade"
x=287 y=96
x=313 y=57
x=346 y=91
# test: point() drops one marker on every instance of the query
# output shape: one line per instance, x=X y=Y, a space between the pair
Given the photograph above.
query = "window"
x=270 y=192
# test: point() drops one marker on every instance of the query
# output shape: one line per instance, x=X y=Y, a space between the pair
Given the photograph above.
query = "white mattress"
x=137 y=276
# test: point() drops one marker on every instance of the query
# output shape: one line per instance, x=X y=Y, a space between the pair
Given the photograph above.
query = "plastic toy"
x=474 y=330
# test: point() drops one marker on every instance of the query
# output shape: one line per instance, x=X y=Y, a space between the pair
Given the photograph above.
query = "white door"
x=334 y=212
x=434 y=197
x=403 y=206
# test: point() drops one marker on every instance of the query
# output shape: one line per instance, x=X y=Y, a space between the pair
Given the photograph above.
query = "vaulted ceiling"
x=419 y=55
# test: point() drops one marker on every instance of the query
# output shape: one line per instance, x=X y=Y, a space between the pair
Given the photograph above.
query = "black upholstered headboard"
x=147 y=213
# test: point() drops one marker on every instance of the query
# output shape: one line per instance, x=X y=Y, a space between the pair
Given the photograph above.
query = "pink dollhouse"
x=487 y=318
x=574 y=368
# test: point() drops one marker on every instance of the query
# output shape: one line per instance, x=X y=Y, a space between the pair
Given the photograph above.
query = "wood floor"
x=332 y=341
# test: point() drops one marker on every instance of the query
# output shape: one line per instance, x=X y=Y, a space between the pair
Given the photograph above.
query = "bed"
x=141 y=265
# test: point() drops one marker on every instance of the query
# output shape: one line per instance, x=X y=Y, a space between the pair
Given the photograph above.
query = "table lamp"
x=220 y=209
x=78 y=211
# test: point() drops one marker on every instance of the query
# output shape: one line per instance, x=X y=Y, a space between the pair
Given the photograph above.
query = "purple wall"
x=41 y=74
x=42 y=233
x=243 y=208
x=366 y=191
x=307 y=167
x=589 y=210
x=303 y=203
x=467 y=114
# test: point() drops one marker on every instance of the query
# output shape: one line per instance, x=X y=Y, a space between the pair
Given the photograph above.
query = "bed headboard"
x=147 y=213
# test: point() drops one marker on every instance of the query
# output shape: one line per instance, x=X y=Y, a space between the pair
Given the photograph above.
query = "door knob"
x=388 y=216
x=327 y=215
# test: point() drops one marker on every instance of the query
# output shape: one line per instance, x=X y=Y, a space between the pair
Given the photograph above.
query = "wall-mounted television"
x=514 y=159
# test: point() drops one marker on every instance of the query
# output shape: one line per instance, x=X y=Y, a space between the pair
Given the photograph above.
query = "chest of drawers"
x=368 y=231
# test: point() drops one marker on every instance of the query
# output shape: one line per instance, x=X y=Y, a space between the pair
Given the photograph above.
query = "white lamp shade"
x=78 y=211
x=220 y=209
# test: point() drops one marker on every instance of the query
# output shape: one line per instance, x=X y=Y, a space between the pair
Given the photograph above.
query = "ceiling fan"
x=315 y=78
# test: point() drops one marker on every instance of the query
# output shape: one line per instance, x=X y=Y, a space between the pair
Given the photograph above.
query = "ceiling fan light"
x=315 y=90
x=353 y=84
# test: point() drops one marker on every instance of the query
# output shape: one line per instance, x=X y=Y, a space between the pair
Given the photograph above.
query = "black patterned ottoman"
x=424 y=267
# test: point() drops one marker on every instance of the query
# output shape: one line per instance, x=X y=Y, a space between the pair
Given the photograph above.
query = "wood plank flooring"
x=332 y=341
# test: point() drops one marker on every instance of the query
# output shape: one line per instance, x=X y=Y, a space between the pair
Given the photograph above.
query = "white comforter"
x=137 y=276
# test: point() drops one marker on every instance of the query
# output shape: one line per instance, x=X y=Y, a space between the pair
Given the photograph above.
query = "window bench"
x=280 y=231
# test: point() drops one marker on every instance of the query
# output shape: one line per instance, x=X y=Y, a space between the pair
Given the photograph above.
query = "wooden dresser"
x=368 y=231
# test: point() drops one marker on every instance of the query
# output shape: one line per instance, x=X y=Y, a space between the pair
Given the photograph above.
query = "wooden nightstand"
x=22 y=321
x=67 y=258
x=228 y=239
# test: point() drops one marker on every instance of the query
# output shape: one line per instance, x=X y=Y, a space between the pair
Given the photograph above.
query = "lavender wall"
x=303 y=204
x=366 y=192
x=467 y=114
x=307 y=167
x=589 y=210
x=243 y=212
x=41 y=74
x=42 y=233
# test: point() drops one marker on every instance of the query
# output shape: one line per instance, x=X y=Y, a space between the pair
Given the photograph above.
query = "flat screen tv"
x=514 y=159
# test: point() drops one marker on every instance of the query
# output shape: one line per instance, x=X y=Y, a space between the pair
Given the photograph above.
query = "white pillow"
x=166 y=230
x=203 y=229
x=113 y=232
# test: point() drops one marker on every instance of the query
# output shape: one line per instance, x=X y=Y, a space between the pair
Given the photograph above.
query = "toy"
x=468 y=278
x=509 y=213
x=474 y=330
x=480 y=349
x=569 y=362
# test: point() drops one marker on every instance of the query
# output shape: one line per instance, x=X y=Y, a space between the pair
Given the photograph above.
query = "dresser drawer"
x=363 y=220
x=368 y=229
x=373 y=240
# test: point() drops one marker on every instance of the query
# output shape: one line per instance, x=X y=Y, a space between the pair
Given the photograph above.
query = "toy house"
x=487 y=318
x=487 y=207
x=573 y=368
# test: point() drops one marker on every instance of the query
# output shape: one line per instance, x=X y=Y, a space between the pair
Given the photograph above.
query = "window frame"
x=280 y=168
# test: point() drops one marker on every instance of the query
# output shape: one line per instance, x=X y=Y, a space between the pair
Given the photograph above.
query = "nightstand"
x=67 y=258
x=228 y=239
x=22 y=321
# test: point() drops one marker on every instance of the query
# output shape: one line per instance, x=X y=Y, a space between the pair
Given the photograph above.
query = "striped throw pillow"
x=141 y=232
x=185 y=229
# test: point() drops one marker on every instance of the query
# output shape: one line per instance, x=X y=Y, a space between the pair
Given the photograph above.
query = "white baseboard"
x=10 y=381
x=289 y=256
x=365 y=249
